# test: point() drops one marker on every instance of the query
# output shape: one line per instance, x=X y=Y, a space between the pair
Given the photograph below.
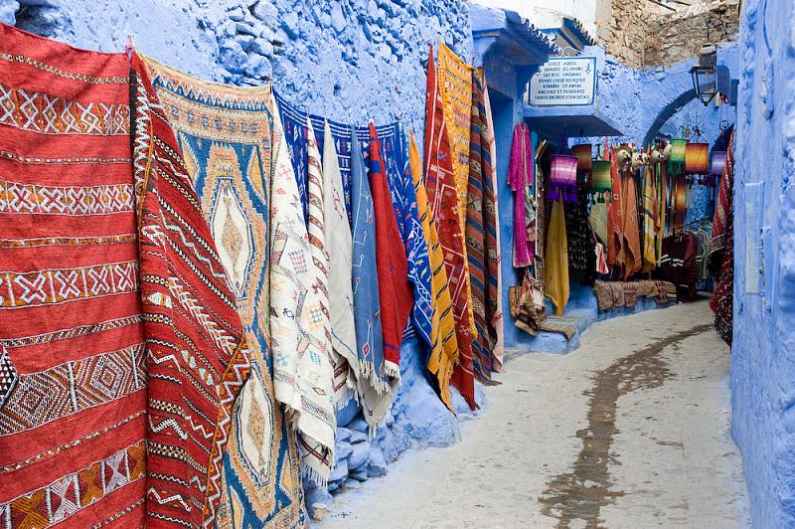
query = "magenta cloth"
x=521 y=172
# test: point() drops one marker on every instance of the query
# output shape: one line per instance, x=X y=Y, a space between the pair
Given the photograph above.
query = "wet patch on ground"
x=577 y=497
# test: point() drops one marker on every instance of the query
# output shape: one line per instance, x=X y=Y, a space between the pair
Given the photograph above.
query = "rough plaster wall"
x=676 y=36
x=350 y=60
x=763 y=353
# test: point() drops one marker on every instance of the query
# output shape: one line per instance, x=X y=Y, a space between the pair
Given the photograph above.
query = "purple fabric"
x=521 y=172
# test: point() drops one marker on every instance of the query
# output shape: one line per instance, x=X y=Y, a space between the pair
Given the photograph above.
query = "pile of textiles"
x=189 y=319
x=625 y=294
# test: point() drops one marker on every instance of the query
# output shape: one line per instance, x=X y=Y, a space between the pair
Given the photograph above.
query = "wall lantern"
x=705 y=74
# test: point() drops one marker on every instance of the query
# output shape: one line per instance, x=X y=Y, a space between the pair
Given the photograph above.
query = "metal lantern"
x=705 y=74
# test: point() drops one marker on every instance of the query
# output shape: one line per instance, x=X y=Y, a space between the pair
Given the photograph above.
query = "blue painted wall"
x=763 y=353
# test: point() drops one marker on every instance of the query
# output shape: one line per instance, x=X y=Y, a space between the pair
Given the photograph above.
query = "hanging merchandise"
x=481 y=240
x=404 y=200
x=601 y=184
x=440 y=184
x=394 y=290
x=584 y=155
x=679 y=204
x=444 y=345
x=455 y=86
x=722 y=301
x=615 y=215
x=633 y=260
x=521 y=173
x=563 y=178
x=718 y=163
x=697 y=158
x=527 y=304
x=580 y=238
x=556 y=269
x=188 y=308
x=375 y=385
x=230 y=172
x=70 y=308
x=339 y=241
x=650 y=217
x=295 y=134
x=496 y=310
x=676 y=152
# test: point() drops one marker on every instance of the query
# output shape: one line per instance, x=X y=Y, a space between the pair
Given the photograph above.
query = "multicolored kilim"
x=496 y=311
x=300 y=341
x=481 y=241
x=197 y=358
x=404 y=200
x=231 y=167
x=394 y=290
x=443 y=197
x=444 y=345
x=72 y=360
x=722 y=302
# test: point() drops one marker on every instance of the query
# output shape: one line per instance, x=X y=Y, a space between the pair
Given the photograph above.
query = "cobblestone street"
x=630 y=431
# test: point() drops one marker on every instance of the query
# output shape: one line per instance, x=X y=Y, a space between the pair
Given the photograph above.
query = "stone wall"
x=623 y=31
x=676 y=36
x=763 y=353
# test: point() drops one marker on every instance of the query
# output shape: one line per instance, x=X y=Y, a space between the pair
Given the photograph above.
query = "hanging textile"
x=404 y=202
x=662 y=208
x=597 y=219
x=339 y=241
x=440 y=183
x=678 y=264
x=497 y=321
x=72 y=347
x=444 y=346
x=615 y=216
x=556 y=272
x=680 y=204
x=391 y=263
x=481 y=239
x=650 y=219
x=295 y=122
x=455 y=85
x=582 y=255
x=197 y=357
x=722 y=302
x=303 y=373
x=720 y=219
x=375 y=385
x=521 y=173
x=230 y=169
x=632 y=258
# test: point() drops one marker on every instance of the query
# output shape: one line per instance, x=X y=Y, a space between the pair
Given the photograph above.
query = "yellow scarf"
x=556 y=276
x=444 y=351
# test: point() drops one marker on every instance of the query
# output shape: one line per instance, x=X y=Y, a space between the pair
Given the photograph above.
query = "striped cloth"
x=444 y=345
x=497 y=320
x=481 y=238
x=443 y=197
x=295 y=122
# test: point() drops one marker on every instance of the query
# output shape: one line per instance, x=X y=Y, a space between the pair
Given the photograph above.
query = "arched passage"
x=667 y=113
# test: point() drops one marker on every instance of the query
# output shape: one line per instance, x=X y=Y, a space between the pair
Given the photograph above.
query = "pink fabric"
x=520 y=175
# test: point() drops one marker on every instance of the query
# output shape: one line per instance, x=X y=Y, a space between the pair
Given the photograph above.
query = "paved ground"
x=629 y=432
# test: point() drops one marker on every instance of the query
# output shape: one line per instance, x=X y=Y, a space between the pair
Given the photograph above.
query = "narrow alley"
x=631 y=431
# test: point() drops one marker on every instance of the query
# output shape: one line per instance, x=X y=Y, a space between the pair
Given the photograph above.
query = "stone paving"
x=631 y=431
